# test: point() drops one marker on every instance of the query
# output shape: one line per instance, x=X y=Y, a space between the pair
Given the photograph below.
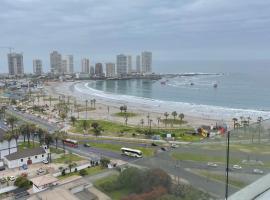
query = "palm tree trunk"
x=9 y=147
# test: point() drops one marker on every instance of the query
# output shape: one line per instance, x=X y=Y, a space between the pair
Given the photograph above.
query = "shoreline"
x=195 y=115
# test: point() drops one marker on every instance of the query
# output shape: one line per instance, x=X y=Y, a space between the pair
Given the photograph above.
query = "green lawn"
x=90 y=171
x=173 y=121
x=116 y=148
x=222 y=178
x=115 y=195
x=123 y=114
x=68 y=158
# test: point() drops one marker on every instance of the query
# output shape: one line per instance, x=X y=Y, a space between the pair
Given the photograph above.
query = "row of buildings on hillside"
x=60 y=65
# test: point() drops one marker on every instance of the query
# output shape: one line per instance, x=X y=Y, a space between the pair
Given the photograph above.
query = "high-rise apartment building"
x=146 y=62
x=85 y=66
x=138 y=64
x=15 y=64
x=110 y=69
x=92 y=71
x=98 y=69
x=37 y=67
x=121 y=65
x=56 y=62
x=67 y=64
x=129 y=58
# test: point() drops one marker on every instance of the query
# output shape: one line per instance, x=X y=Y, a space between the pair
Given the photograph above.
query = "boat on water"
x=215 y=85
x=163 y=82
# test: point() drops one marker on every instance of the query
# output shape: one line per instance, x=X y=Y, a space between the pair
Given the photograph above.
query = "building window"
x=21 y=160
x=28 y=158
x=35 y=157
x=42 y=155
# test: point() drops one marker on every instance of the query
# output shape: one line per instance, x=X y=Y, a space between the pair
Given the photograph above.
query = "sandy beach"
x=105 y=109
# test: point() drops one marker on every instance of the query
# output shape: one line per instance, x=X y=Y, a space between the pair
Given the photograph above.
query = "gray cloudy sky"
x=100 y=29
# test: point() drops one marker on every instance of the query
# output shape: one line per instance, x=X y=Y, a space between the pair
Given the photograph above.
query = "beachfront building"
x=110 y=69
x=15 y=64
x=37 y=67
x=138 y=64
x=26 y=157
x=98 y=69
x=146 y=62
x=67 y=64
x=44 y=182
x=56 y=62
x=121 y=65
x=92 y=71
x=5 y=147
x=129 y=59
x=85 y=66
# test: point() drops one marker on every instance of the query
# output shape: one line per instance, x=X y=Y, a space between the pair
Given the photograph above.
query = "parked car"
x=211 y=164
x=45 y=161
x=258 y=171
x=163 y=148
x=237 y=167
x=154 y=144
x=86 y=145
x=12 y=178
x=40 y=171
x=173 y=145
x=3 y=180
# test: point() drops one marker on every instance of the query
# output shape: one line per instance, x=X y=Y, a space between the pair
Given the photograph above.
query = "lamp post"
x=227 y=165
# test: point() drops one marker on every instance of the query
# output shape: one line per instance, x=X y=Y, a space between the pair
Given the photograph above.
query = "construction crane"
x=6 y=47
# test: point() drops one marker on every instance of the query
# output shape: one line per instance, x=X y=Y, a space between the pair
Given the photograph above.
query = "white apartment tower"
x=37 y=67
x=67 y=64
x=56 y=62
x=129 y=58
x=15 y=64
x=85 y=64
x=138 y=64
x=121 y=65
x=146 y=62
x=110 y=69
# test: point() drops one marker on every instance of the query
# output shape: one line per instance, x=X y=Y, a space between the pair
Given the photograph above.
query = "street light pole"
x=227 y=165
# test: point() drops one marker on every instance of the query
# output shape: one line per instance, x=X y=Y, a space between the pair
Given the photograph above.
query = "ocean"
x=242 y=89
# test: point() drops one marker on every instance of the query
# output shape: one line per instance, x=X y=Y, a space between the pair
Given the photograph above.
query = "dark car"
x=154 y=144
x=163 y=148
x=86 y=145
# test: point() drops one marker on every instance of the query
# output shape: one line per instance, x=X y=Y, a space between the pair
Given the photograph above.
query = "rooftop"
x=44 y=180
x=25 y=153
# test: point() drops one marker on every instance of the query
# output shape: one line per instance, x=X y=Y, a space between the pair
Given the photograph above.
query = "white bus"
x=131 y=152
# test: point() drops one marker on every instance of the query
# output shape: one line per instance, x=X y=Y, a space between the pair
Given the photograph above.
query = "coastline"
x=196 y=115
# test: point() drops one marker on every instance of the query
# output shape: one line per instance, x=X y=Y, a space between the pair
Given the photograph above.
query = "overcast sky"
x=100 y=29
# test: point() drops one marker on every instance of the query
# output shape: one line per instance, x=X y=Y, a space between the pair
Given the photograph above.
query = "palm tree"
x=8 y=136
x=148 y=117
x=166 y=118
x=158 y=120
x=11 y=121
x=259 y=120
x=16 y=135
x=234 y=122
x=150 y=123
x=85 y=126
x=181 y=116
x=56 y=136
x=94 y=102
x=63 y=137
x=121 y=108
x=97 y=128
x=142 y=122
x=71 y=165
x=40 y=133
x=73 y=120
x=174 y=114
x=48 y=139
x=86 y=102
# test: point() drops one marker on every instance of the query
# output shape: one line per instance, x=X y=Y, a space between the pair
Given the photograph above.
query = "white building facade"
x=110 y=70
x=37 y=67
x=121 y=65
x=146 y=62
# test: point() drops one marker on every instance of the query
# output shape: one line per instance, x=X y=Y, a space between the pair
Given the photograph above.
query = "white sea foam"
x=83 y=91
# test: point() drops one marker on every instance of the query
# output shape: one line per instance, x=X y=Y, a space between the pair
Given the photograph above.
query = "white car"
x=211 y=164
x=174 y=145
x=40 y=171
x=237 y=167
x=45 y=161
x=258 y=171
x=12 y=178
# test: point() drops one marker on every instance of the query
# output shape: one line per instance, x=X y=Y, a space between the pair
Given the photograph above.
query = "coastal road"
x=51 y=127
